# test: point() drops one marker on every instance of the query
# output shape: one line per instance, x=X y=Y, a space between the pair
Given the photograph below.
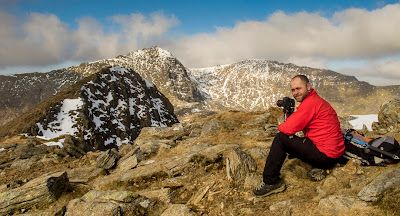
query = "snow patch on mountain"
x=65 y=122
x=361 y=120
x=119 y=103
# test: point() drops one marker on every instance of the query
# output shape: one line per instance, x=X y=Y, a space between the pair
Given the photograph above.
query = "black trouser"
x=301 y=148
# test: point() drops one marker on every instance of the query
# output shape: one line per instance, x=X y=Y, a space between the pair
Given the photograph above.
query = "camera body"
x=287 y=104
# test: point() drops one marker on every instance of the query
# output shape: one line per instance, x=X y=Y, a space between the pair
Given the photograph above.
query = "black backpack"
x=371 y=152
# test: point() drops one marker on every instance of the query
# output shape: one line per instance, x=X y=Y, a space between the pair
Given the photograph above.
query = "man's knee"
x=282 y=137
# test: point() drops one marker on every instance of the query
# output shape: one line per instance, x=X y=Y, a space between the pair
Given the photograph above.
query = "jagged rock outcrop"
x=239 y=165
x=114 y=106
x=108 y=159
x=75 y=147
x=41 y=191
x=388 y=117
x=382 y=183
x=110 y=203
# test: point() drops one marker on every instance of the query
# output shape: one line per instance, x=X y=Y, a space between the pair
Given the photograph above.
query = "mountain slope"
x=106 y=110
x=154 y=64
x=247 y=85
x=22 y=91
x=257 y=84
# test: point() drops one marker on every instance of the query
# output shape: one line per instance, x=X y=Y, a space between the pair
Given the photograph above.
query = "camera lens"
x=279 y=103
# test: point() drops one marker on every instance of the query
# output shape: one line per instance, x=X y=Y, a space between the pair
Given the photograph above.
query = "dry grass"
x=17 y=139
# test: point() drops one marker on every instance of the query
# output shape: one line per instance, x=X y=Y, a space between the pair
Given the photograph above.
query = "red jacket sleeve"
x=299 y=119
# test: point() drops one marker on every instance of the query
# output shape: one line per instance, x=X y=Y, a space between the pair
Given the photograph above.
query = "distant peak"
x=154 y=51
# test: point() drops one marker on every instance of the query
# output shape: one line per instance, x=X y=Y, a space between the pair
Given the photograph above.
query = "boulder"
x=38 y=192
x=127 y=164
x=211 y=127
x=75 y=147
x=384 y=182
x=84 y=174
x=109 y=203
x=28 y=150
x=339 y=205
x=283 y=208
x=108 y=159
x=175 y=132
x=388 y=117
x=238 y=165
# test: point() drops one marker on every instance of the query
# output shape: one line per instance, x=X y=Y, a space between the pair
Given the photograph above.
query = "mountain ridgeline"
x=250 y=85
x=257 y=84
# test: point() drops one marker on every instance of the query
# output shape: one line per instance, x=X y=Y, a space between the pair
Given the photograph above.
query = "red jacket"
x=319 y=122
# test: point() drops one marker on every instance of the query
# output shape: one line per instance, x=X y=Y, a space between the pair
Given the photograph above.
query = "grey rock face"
x=75 y=147
x=338 y=205
x=37 y=192
x=118 y=103
x=156 y=65
x=109 y=203
x=108 y=159
x=113 y=108
x=238 y=165
x=388 y=117
x=384 y=182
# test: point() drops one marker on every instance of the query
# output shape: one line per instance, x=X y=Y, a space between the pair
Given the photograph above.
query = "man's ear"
x=309 y=87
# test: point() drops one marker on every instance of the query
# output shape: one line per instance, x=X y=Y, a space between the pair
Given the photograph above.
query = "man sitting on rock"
x=321 y=146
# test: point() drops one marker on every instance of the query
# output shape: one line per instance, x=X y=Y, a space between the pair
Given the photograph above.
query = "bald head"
x=302 y=77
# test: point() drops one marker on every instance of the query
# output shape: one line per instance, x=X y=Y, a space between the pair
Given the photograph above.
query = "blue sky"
x=196 y=16
x=352 y=37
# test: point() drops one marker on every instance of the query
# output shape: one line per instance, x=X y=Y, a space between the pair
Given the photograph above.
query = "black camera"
x=287 y=104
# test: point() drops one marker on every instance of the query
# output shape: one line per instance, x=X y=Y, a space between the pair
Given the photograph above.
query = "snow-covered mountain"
x=111 y=108
x=22 y=91
x=252 y=85
x=154 y=64
x=247 y=85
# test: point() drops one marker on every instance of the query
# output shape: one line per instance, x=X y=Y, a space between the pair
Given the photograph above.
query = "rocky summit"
x=206 y=165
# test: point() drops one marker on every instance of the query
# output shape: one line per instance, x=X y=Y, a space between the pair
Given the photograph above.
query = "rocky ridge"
x=258 y=84
x=248 y=85
x=206 y=165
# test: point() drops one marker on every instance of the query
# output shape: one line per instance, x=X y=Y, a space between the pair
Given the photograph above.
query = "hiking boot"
x=317 y=174
x=265 y=190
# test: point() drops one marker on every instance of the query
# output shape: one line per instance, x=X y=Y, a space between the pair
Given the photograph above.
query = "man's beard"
x=300 y=98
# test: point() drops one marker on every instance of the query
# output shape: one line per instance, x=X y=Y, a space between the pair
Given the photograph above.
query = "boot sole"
x=278 y=190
